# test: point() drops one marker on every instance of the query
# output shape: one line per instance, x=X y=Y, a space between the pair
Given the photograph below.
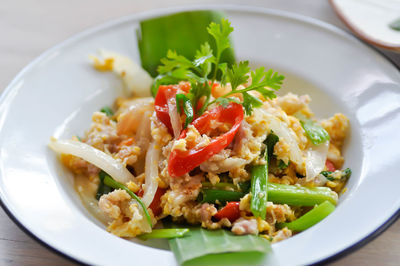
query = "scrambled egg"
x=179 y=200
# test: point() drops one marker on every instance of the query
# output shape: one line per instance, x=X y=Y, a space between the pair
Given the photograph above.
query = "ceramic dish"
x=57 y=93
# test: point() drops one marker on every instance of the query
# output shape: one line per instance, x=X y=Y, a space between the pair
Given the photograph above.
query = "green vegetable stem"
x=259 y=195
x=270 y=142
x=217 y=195
x=294 y=195
x=109 y=181
x=300 y=196
x=259 y=181
x=183 y=102
x=103 y=188
x=310 y=218
x=315 y=133
x=221 y=185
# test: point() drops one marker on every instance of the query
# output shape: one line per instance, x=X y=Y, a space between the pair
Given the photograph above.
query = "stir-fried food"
x=215 y=147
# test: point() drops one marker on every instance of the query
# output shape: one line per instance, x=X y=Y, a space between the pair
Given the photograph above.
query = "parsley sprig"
x=206 y=69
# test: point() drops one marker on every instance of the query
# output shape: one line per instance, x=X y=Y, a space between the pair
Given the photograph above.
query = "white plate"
x=57 y=93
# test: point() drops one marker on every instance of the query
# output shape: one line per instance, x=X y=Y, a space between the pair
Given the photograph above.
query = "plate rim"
x=159 y=11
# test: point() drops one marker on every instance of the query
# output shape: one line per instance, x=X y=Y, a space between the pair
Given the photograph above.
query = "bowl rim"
x=162 y=11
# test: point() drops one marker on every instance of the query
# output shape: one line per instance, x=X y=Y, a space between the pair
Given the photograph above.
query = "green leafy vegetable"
x=204 y=70
x=219 y=196
x=220 y=32
x=200 y=242
x=165 y=233
x=183 y=102
x=315 y=133
x=109 y=181
x=184 y=33
x=395 y=25
x=245 y=186
x=300 y=196
x=337 y=175
x=282 y=164
x=103 y=188
x=261 y=82
x=310 y=218
x=107 y=110
x=270 y=142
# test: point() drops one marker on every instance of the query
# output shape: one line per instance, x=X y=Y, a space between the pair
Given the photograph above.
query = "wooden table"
x=28 y=28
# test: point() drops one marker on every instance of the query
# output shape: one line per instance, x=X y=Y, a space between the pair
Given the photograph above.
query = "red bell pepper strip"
x=181 y=162
x=155 y=204
x=164 y=94
x=230 y=211
x=329 y=166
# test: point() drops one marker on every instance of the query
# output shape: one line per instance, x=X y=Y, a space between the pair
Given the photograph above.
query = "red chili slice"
x=181 y=162
x=230 y=211
x=166 y=92
x=155 y=205
x=330 y=166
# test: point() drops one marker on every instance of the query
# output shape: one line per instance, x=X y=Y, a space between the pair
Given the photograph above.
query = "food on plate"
x=215 y=148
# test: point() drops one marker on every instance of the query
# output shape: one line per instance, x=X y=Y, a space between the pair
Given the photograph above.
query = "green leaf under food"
x=315 y=133
x=203 y=245
x=182 y=32
x=165 y=233
x=395 y=25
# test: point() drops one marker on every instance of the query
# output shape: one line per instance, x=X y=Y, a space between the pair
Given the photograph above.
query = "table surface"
x=30 y=27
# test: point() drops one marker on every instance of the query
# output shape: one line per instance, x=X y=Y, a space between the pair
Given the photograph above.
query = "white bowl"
x=57 y=93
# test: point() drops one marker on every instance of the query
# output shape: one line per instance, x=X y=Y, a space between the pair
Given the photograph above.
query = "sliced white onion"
x=151 y=173
x=320 y=180
x=94 y=156
x=86 y=189
x=130 y=119
x=143 y=133
x=143 y=224
x=174 y=117
x=143 y=137
x=315 y=161
x=135 y=78
x=284 y=132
